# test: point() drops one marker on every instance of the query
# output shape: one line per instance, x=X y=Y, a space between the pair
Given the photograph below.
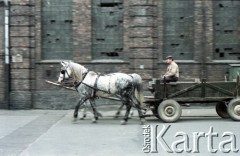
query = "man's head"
x=169 y=59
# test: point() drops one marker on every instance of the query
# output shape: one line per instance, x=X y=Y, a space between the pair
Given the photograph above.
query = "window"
x=226 y=23
x=107 y=29
x=57 y=41
x=178 y=29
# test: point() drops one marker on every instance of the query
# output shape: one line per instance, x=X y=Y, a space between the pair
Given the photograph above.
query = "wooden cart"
x=168 y=98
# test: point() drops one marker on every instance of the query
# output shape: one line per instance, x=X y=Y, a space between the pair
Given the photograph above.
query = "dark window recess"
x=221 y=5
x=111 y=54
x=228 y=31
x=182 y=36
x=48 y=73
x=174 y=45
x=68 y=21
x=221 y=54
x=233 y=53
x=228 y=49
x=182 y=18
x=100 y=39
x=109 y=4
x=217 y=50
x=111 y=26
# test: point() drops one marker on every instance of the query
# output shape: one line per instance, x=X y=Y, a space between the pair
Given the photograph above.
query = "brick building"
x=111 y=36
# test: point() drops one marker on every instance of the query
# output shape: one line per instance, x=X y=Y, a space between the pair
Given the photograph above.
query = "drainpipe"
x=6 y=49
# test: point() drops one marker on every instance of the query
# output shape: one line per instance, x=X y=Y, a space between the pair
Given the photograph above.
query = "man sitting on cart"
x=172 y=73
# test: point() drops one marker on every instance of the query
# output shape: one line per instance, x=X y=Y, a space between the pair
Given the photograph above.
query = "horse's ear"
x=63 y=63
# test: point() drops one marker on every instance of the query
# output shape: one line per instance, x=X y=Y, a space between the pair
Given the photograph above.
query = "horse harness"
x=94 y=87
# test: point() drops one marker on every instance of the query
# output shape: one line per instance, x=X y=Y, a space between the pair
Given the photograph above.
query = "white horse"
x=126 y=87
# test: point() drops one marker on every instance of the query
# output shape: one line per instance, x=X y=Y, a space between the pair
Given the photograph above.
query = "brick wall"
x=22 y=44
x=143 y=50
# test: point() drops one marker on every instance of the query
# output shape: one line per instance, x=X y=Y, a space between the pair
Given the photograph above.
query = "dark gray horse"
x=126 y=87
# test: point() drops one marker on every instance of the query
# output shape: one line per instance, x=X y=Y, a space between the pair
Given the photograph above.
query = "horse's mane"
x=77 y=71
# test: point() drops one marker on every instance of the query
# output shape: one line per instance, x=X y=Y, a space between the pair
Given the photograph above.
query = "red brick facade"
x=143 y=41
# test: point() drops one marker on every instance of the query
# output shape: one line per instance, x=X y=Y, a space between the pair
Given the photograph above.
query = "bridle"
x=63 y=71
x=75 y=83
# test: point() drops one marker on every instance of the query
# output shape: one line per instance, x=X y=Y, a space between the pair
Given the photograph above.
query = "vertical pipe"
x=6 y=50
x=6 y=30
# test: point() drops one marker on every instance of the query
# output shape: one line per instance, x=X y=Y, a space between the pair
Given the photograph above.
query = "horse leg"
x=79 y=103
x=125 y=119
x=84 y=112
x=118 y=111
x=131 y=114
x=95 y=112
x=98 y=114
x=136 y=103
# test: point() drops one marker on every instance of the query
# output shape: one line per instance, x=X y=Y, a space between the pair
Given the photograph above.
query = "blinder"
x=63 y=71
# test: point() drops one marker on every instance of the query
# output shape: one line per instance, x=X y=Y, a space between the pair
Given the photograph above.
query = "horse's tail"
x=137 y=80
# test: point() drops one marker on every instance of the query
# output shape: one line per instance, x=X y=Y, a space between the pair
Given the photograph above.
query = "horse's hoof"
x=75 y=115
x=116 y=116
x=123 y=122
x=74 y=119
x=142 y=121
x=94 y=121
x=99 y=114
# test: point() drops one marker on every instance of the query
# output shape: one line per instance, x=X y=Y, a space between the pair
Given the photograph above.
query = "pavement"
x=54 y=133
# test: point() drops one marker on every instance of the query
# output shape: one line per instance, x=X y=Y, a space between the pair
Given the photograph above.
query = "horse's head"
x=72 y=70
x=65 y=72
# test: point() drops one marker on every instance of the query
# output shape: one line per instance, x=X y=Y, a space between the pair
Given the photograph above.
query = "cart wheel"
x=169 y=111
x=155 y=113
x=221 y=110
x=234 y=109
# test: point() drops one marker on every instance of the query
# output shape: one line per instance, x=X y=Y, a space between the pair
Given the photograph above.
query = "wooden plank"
x=219 y=89
x=185 y=90
x=60 y=85
x=199 y=99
